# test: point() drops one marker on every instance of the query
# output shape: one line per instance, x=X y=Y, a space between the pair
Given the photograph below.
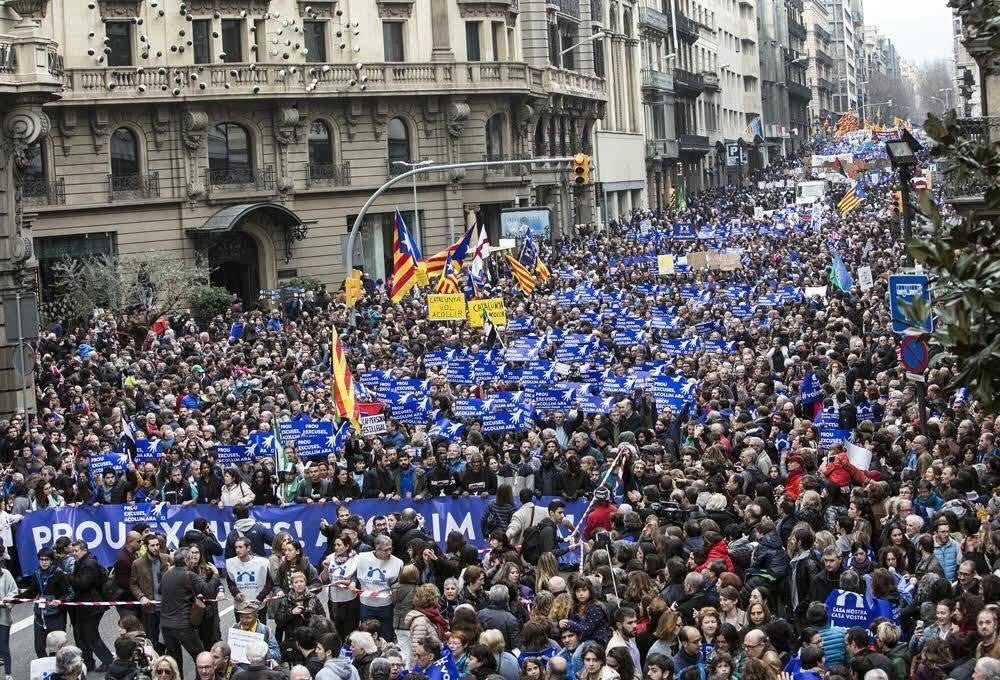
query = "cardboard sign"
x=865 y=279
x=446 y=307
x=495 y=309
x=697 y=260
x=239 y=640
x=373 y=425
x=665 y=265
x=730 y=262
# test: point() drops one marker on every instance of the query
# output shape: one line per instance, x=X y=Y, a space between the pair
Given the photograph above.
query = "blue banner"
x=512 y=421
x=810 y=390
x=147 y=451
x=830 y=436
x=313 y=439
x=553 y=399
x=591 y=404
x=412 y=410
x=468 y=408
x=104 y=527
x=438 y=359
x=99 y=461
x=684 y=231
x=233 y=455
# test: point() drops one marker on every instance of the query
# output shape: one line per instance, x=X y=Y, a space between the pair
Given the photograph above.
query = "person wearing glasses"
x=50 y=583
x=689 y=650
x=165 y=668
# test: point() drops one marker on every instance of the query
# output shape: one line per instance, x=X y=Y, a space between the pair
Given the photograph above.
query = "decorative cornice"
x=395 y=9
x=484 y=9
x=120 y=9
x=258 y=7
x=317 y=9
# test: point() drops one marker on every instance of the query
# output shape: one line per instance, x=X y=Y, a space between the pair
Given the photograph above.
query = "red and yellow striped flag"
x=344 y=397
x=542 y=270
x=525 y=281
x=448 y=283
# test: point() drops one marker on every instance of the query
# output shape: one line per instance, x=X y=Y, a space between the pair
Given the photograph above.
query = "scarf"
x=433 y=614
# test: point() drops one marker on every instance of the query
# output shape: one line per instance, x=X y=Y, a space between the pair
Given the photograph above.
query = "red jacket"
x=842 y=472
x=719 y=551
x=793 y=485
x=599 y=518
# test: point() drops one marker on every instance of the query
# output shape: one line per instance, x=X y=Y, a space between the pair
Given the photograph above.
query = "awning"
x=230 y=216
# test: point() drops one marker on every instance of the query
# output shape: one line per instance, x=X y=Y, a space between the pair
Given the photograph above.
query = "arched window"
x=34 y=178
x=399 y=145
x=124 y=153
x=229 y=154
x=495 y=136
x=540 y=138
x=627 y=23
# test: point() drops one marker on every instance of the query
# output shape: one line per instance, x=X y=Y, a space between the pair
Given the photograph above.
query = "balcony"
x=711 y=79
x=662 y=149
x=255 y=81
x=331 y=175
x=824 y=58
x=133 y=187
x=687 y=29
x=796 y=29
x=393 y=169
x=798 y=91
x=655 y=20
x=240 y=180
x=657 y=80
x=509 y=171
x=42 y=191
x=822 y=33
x=574 y=84
x=568 y=7
x=687 y=83
x=824 y=84
x=693 y=144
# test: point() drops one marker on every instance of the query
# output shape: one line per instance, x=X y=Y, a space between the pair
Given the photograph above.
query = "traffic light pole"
x=392 y=181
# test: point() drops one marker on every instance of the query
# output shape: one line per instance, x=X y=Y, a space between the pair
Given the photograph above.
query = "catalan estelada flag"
x=542 y=270
x=525 y=281
x=344 y=397
x=405 y=255
x=854 y=197
x=448 y=283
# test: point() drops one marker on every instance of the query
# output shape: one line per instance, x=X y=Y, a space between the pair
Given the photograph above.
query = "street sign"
x=903 y=290
x=913 y=354
x=21 y=309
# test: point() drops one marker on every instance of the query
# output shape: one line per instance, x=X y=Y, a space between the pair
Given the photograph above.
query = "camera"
x=669 y=513
x=141 y=661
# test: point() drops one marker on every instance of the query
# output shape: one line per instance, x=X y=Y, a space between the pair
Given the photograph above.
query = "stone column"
x=22 y=126
x=440 y=38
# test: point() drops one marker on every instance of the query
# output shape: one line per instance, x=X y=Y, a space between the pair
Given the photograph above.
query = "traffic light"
x=581 y=169
x=352 y=288
x=897 y=203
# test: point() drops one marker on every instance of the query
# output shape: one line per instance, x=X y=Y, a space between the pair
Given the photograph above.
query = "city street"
x=22 y=648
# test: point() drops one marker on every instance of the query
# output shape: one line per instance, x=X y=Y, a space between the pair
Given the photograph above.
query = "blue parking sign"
x=903 y=290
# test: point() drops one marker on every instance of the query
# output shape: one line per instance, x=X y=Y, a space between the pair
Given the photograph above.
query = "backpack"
x=531 y=541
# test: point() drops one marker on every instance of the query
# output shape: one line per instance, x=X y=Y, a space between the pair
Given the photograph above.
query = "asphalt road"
x=22 y=644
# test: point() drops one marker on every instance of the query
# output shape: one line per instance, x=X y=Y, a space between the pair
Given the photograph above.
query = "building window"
x=119 y=35
x=51 y=250
x=599 y=69
x=568 y=38
x=201 y=37
x=34 y=178
x=494 y=136
x=554 y=58
x=124 y=153
x=392 y=40
x=399 y=144
x=229 y=154
x=232 y=40
x=314 y=38
x=472 y=50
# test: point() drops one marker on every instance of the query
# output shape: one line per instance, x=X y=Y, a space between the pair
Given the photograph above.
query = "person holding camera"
x=130 y=660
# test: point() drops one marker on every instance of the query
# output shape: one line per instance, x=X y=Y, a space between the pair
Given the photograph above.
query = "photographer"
x=130 y=662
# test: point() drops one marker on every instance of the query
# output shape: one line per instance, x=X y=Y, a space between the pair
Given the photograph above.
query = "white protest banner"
x=239 y=641
x=373 y=424
x=860 y=457
x=865 y=279
x=758 y=212
x=665 y=265
x=819 y=291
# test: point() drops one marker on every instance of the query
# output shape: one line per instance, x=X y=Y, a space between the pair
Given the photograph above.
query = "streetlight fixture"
x=600 y=35
x=416 y=213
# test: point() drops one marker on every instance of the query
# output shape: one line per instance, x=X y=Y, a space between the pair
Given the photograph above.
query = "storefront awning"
x=230 y=216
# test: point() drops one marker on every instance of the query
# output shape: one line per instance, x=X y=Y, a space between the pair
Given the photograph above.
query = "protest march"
x=680 y=444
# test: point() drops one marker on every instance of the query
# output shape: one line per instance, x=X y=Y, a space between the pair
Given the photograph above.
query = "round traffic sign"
x=914 y=354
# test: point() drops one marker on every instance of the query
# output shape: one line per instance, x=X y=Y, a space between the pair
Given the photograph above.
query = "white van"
x=807 y=193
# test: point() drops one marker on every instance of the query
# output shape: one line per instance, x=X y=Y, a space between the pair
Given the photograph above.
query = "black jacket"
x=376 y=482
x=87 y=578
x=401 y=536
x=178 y=588
x=503 y=620
x=548 y=538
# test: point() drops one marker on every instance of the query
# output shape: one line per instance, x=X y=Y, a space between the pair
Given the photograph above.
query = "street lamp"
x=600 y=35
x=943 y=107
x=416 y=213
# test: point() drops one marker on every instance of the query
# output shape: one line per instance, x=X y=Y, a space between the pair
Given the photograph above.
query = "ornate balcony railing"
x=245 y=179
x=694 y=143
x=44 y=191
x=568 y=7
x=688 y=83
x=824 y=58
x=333 y=175
x=124 y=187
x=824 y=84
x=513 y=170
x=665 y=149
x=798 y=90
x=796 y=29
x=8 y=58
x=657 y=80
x=711 y=79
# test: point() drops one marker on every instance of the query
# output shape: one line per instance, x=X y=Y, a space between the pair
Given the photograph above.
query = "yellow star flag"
x=344 y=397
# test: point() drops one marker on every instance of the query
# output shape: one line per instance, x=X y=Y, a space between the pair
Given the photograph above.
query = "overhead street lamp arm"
x=600 y=35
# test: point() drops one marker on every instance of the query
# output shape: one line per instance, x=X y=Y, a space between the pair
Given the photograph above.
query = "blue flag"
x=811 y=391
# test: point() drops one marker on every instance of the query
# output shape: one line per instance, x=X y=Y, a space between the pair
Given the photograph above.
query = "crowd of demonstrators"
x=716 y=533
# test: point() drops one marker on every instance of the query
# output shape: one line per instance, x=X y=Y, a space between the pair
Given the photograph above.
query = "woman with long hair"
x=209 y=630
x=758 y=614
x=638 y=586
x=594 y=664
x=547 y=567
x=510 y=575
x=499 y=511
x=481 y=662
x=342 y=597
x=235 y=491
x=46 y=496
x=209 y=489
x=293 y=560
x=588 y=618
x=343 y=488
x=465 y=619
x=729 y=608
x=403 y=592
x=933 y=660
x=263 y=488
x=620 y=659
x=535 y=643
x=533 y=669
x=755 y=669
x=296 y=608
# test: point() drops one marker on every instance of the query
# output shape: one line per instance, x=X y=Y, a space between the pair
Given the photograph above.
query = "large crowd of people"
x=716 y=530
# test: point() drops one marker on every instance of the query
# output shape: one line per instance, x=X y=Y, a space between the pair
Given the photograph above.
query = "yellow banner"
x=665 y=265
x=446 y=307
x=495 y=309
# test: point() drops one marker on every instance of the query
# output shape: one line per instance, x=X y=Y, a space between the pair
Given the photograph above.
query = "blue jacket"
x=948 y=556
x=833 y=645
x=260 y=538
